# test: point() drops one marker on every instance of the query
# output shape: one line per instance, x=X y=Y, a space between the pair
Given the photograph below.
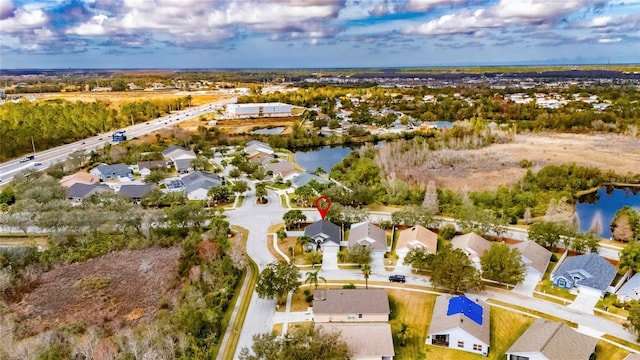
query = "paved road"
x=49 y=157
x=257 y=219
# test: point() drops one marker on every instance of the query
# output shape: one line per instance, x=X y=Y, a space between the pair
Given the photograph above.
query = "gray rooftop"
x=631 y=288
x=304 y=178
x=441 y=322
x=534 y=255
x=471 y=241
x=114 y=169
x=364 y=340
x=81 y=191
x=182 y=164
x=555 y=340
x=152 y=164
x=135 y=191
x=324 y=230
x=590 y=270
x=200 y=180
x=351 y=301
x=367 y=234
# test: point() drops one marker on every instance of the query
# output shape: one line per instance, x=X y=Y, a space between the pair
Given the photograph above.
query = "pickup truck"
x=27 y=158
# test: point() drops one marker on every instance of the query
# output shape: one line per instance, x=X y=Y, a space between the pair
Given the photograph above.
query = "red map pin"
x=323 y=204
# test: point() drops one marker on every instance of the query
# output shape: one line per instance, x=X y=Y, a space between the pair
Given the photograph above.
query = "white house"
x=416 y=237
x=630 y=290
x=255 y=110
x=460 y=323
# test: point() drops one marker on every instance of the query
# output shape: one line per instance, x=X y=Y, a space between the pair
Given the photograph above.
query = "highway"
x=46 y=158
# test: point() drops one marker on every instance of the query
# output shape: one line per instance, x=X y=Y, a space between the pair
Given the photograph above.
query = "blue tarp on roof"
x=462 y=305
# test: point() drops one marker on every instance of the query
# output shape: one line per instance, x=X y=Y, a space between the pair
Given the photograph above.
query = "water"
x=597 y=209
x=325 y=157
x=270 y=131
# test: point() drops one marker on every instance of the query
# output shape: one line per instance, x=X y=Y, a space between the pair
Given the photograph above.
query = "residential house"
x=79 y=191
x=535 y=257
x=197 y=184
x=471 y=244
x=588 y=273
x=254 y=147
x=350 y=305
x=305 y=178
x=416 y=237
x=281 y=170
x=630 y=290
x=365 y=341
x=81 y=177
x=111 y=172
x=260 y=158
x=368 y=235
x=180 y=157
x=324 y=234
x=145 y=167
x=135 y=192
x=460 y=323
x=550 y=340
x=632 y=357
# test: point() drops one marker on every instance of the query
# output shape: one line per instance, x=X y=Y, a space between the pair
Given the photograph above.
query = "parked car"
x=397 y=278
x=27 y=158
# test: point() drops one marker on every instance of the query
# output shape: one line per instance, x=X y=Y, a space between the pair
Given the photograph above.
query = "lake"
x=601 y=206
x=275 y=130
x=325 y=157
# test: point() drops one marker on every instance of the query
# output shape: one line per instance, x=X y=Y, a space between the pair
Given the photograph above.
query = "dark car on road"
x=397 y=278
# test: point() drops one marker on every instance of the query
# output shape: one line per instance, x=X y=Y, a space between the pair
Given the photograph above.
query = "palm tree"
x=403 y=333
x=366 y=271
x=303 y=240
x=313 y=277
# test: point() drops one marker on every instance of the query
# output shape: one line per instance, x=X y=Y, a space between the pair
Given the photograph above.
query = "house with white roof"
x=630 y=290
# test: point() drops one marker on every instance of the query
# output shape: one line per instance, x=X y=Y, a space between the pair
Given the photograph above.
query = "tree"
x=314 y=257
x=302 y=343
x=302 y=241
x=419 y=258
x=360 y=255
x=430 y=201
x=261 y=191
x=313 y=277
x=630 y=257
x=403 y=333
x=452 y=269
x=633 y=320
x=277 y=279
x=240 y=187
x=621 y=227
x=282 y=234
x=447 y=232
x=366 y=271
x=219 y=194
x=547 y=233
x=502 y=264
x=293 y=218
x=414 y=215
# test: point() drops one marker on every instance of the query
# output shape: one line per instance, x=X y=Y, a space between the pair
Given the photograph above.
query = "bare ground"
x=117 y=290
x=499 y=164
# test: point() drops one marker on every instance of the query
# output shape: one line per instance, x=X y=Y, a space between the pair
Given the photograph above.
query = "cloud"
x=24 y=21
x=609 y=40
x=502 y=14
x=426 y=5
x=6 y=9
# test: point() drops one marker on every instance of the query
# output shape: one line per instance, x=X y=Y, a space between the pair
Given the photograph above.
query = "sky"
x=223 y=34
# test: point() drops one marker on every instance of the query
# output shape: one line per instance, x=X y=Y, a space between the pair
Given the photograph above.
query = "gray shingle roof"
x=555 y=340
x=305 y=178
x=364 y=340
x=135 y=191
x=182 y=164
x=367 y=234
x=534 y=255
x=151 y=164
x=631 y=288
x=81 y=191
x=471 y=241
x=351 y=301
x=589 y=270
x=114 y=170
x=322 y=231
x=442 y=323
x=200 y=180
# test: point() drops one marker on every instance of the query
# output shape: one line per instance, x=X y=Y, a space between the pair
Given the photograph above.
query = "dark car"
x=397 y=278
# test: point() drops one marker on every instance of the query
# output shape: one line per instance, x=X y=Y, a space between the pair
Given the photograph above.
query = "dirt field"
x=117 y=290
x=500 y=164
x=117 y=98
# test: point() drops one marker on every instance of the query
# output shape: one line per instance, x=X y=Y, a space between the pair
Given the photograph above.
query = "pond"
x=325 y=157
x=269 y=131
x=597 y=209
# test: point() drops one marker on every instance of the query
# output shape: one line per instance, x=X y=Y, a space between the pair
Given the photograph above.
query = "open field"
x=117 y=98
x=499 y=164
x=114 y=291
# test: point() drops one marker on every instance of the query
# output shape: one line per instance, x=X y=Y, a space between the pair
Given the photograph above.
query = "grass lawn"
x=545 y=286
x=532 y=312
x=605 y=350
x=626 y=343
x=413 y=309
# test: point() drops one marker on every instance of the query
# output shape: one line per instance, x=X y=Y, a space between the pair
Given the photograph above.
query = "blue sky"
x=315 y=33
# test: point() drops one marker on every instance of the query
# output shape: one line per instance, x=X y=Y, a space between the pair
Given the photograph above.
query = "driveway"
x=586 y=300
x=531 y=279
